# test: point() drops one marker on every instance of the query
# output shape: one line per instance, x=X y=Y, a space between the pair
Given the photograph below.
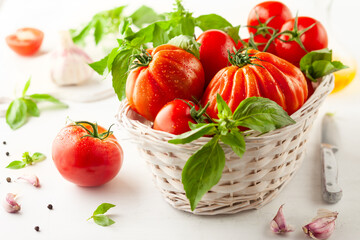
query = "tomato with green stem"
x=25 y=41
x=161 y=75
x=214 y=48
x=267 y=15
x=87 y=154
x=299 y=36
x=257 y=74
x=175 y=116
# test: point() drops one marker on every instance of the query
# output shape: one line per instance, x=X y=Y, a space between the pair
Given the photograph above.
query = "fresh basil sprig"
x=204 y=168
x=319 y=63
x=27 y=160
x=99 y=217
x=20 y=108
x=167 y=27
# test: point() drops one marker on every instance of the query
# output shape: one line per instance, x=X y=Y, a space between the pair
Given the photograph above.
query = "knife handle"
x=331 y=191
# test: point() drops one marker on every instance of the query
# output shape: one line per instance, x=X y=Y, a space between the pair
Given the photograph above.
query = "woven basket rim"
x=124 y=109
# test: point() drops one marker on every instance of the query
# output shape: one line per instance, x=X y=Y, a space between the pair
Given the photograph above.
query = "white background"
x=141 y=213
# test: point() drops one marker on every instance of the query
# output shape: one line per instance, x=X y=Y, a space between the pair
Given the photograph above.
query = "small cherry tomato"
x=175 y=116
x=214 y=48
x=25 y=41
x=86 y=154
x=308 y=31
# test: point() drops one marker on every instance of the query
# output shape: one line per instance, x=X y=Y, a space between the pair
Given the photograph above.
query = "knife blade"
x=331 y=191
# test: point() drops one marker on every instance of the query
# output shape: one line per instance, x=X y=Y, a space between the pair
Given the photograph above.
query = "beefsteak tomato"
x=257 y=74
x=86 y=154
x=161 y=75
x=304 y=30
x=214 y=48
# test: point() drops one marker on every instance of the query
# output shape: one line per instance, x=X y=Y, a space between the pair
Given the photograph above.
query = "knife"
x=331 y=191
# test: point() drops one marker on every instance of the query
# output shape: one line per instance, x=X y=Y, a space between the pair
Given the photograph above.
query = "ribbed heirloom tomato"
x=257 y=74
x=161 y=75
x=86 y=154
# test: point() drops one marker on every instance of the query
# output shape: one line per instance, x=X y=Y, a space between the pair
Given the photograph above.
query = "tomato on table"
x=214 y=48
x=261 y=74
x=25 y=41
x=306 y=30
x=87 y=154
x=161 y=75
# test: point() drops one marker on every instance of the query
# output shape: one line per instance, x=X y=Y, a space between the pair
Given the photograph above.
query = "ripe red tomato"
x=87 y=160
x=25 y=41
x=171 y=73
x=277 y=80
x=313 y=39
x=174 y=117
x=265 y=10
x=214 y=51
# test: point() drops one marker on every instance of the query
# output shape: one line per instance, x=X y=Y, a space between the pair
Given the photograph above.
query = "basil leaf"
x=319 y=63
x=100 y=65
x=211 y=21
x=233 y=32
x=47 y=98
x=193 y=134
x=236 y=141
x=38 y=157
x=103 y=220
x=99 y=30
x=202 y=171
x=26 y=158
x=160 y=35
x=187 y=43
x=78 y=37
x=223 y=109
x=261 y=114
x=26 y=87
x=144 y=15
x=31 y=107
x=119 y=70
x=103 y=208
x=16 y=113
x=16 y=165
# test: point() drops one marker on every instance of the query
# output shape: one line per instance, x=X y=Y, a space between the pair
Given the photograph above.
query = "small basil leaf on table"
x=16 y=165
x=16 y=113
x=47 y=98
x=31 y=107
x=103 y=220
x=103 y=208
x=202 y=171
x=38 y=157
x=26 y=87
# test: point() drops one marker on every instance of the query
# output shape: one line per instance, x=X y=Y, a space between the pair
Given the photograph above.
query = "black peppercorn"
x=8 y=179
x=4 y=142
x=50 y=206
x=7 y=154
x=37 y=228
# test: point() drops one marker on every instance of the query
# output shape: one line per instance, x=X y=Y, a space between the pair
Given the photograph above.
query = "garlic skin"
x=278 y=224
x=10 y=204
x=32 y=179
x=70 y=63
x=322 y=226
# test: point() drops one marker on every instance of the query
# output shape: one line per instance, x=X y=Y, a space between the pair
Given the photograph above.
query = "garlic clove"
x=70 y=63
x=322 y=226
x=32 y=179
x=278 y=224
x=10 y=204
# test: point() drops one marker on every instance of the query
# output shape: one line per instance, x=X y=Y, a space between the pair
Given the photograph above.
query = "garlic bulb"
x=70 y=63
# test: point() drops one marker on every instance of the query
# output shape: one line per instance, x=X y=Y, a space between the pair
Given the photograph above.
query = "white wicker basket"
x=268 y=164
